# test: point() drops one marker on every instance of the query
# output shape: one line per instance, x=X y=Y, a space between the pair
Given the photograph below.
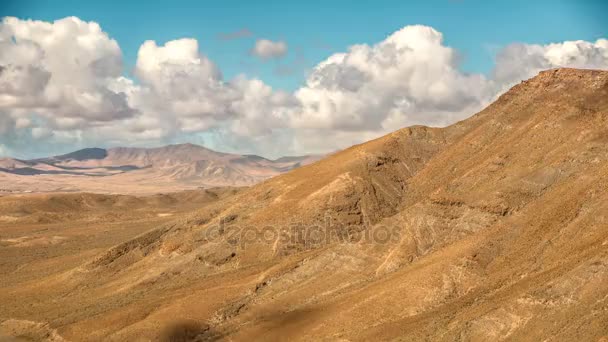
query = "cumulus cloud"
x=60 y=69
x=411 y=78
x=408 y=78
x=62 y=83
x=519 y=61
x=177 y=79
x=268 y=49
x=183 y=81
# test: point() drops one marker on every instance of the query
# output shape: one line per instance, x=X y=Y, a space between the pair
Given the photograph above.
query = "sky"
x=269 y=77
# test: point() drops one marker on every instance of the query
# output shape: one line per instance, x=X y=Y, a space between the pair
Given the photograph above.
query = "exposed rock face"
x=493 y=228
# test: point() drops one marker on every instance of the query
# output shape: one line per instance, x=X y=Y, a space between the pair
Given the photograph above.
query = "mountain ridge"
x=100 y=153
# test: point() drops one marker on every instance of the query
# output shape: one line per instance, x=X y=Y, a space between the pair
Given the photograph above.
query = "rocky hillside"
x=493 y=228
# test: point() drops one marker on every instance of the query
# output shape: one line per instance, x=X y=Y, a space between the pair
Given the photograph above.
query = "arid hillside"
x=126 y=170
x=494 y=228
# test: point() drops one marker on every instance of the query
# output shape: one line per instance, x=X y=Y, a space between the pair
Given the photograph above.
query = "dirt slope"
x=494 y=228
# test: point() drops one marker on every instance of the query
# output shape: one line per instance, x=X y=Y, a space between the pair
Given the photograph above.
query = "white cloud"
x=411 y=78
x=62 y=83
x=177 y=79
x=408 y=78
x=268 y=49
x=60 y=69
x=519 y=61
x=181 y=81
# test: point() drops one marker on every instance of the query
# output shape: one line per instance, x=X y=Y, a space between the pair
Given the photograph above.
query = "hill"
x=490 y=229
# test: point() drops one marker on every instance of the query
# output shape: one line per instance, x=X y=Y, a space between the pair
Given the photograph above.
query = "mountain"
x=12 y=164
x=82 y=155
x=493 y=228
x=166 y=168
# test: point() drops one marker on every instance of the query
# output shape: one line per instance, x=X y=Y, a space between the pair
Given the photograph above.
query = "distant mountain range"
x=125 y=169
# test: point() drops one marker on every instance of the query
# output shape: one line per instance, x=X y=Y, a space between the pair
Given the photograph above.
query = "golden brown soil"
x=495 y=228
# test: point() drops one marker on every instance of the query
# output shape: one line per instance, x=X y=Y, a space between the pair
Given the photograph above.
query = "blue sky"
x=316 y=29
x=64 y=89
